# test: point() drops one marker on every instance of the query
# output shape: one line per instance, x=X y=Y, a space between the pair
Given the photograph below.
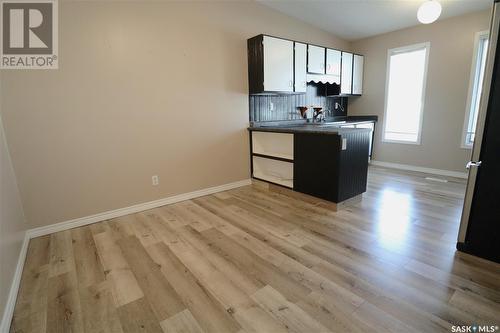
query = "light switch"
x=344 y=144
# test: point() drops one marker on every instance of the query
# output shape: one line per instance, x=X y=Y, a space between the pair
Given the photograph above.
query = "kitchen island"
x=324 y=160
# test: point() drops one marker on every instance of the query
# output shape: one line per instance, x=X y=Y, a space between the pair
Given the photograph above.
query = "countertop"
x=314 y=129
x=317 y=128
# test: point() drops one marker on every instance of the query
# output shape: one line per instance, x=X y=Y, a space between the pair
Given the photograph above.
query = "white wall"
x=12 y=223
x=450 y=58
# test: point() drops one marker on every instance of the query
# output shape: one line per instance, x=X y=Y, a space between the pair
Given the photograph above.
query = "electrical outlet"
x=155 y=180
x=271 y=106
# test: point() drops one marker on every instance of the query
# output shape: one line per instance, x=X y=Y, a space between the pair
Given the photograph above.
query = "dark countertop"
x=300 y=126
x=315 y=129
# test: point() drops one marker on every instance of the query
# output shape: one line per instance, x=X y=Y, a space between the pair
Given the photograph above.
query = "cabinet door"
x=300 y=67
x=346 y=78
x=357 y=76
x=333 y=62
x=315 y=59
x=278 y=64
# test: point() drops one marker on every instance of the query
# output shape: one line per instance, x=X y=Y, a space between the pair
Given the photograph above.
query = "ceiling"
x=356 y=19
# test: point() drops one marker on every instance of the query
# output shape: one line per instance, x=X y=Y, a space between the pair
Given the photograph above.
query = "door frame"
x=483 y=108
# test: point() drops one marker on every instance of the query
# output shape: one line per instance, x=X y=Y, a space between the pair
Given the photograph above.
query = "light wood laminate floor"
x=253 y=260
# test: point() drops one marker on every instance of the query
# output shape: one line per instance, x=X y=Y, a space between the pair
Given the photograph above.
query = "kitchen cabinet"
x=357 y=74
x=333 y=62
x=300 y=63
x=282 y=66
x=332 y=166
x=270 y=65
x=273 y=145
x=278 y=64
x=315 y=59
x=346 y=75
x=272 y=157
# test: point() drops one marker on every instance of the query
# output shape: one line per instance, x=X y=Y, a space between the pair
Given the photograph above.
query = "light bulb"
x=429 y=11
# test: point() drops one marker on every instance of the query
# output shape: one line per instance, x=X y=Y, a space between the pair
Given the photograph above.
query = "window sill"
x=415 y=143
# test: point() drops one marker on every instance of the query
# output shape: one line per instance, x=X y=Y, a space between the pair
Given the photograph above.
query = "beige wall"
x=12 y=223
x=450 y=61
x=144 y=88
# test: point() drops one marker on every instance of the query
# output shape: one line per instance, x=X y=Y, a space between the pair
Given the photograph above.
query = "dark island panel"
x=327 y=170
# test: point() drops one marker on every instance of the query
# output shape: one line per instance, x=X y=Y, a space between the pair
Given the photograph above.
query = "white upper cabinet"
x=357 y=75
x=315 y=59
x=278 y=64
x=346 y=78
x=333 y=60
x=281 y=66
x=300 y=67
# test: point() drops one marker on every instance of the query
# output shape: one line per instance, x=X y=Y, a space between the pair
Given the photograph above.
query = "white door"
x=346 y=77
x=278 y=64
x=357 y=76
x=300 y=67
x=315 y=59
x=333 y=62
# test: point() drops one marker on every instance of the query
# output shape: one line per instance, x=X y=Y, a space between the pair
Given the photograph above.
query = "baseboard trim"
x=79 y=222
x=41 y=231
x=432 y=171
x=14 y=288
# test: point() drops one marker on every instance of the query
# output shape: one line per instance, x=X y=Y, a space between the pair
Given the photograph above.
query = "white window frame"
x=403 y=49
x=472 y=79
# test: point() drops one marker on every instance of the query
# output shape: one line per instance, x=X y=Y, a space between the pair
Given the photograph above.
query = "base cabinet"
x=331 y=167
x=273 y=171
x=328 y=166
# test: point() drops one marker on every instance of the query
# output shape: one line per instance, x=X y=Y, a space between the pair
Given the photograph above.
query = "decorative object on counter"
x=318 y=115
x=303 y=111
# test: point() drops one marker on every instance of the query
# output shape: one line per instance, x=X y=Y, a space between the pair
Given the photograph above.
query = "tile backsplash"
x=285 y=107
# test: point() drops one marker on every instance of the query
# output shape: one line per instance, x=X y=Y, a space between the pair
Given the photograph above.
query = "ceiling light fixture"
x=429 y=11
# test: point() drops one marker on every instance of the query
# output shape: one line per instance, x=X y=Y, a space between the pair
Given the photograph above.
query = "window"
x=405 y=87
x=475 y=88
